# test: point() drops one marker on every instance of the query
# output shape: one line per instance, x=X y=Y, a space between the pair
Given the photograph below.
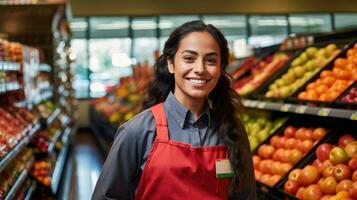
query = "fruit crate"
x=309 y=160
x=349 y=105
x=294 y=97
x=257 y=80
x=298 y=123
x=261 y=92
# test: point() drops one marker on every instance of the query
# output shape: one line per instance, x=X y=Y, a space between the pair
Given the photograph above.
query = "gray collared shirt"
x=122 y=169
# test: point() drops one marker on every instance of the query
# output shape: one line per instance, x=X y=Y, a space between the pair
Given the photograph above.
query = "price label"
x=253 y=104
x=301 y=109
x=285 y=108
x=261 y=105
x=354 y=116
x=324 y=112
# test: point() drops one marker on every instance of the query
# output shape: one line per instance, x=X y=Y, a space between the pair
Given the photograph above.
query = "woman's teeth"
x=197 y=81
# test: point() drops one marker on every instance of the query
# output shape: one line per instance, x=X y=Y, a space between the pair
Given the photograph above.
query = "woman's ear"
x=170 y=65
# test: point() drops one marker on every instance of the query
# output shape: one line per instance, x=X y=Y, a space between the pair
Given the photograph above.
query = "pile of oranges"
x=332 y=83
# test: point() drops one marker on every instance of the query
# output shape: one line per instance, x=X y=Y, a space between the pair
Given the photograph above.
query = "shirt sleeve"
x=121 y=165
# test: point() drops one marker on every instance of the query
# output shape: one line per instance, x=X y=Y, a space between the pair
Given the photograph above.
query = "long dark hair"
x=225 y=105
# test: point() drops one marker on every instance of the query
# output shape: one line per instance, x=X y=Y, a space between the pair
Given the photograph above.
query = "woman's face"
x=196 y=66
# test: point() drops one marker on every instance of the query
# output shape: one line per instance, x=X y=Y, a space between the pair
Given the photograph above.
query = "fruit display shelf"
x=21 y=145
x=348 y=98
x=31 y=190
x=53 y=116
x=53 y=141
x=301 y=109
x=21 y=178
x=9 y=66
x=327 y=172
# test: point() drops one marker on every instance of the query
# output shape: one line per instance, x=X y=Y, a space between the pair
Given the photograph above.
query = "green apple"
x=285 y=91
x=262 y=135
x=288 y=78
x=310 y=65
x=303 y=57
x=299 y=71
x=311 y=51
x=273 y=86
x=338 y=156
x=297 y=61
x=321 y=53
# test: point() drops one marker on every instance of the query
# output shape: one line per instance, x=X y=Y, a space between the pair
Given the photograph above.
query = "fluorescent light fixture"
x=272 y=22
x=79 y=25
x=121 y=60
x=144 y=25
x=112 y=26
x=164 y=24
x=225 y=23
x=303 y=21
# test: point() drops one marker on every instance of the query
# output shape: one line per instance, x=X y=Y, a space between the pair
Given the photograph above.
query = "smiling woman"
x=189 y=143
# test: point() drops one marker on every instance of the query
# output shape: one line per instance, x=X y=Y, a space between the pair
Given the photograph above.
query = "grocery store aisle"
x=87 y=162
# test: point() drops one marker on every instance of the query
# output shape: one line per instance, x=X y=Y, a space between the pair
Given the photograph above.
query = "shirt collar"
x=180 y=113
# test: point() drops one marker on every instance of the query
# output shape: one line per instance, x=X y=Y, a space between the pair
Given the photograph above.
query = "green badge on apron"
x=223 y=168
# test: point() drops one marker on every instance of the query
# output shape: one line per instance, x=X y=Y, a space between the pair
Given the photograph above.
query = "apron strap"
x=161 y=123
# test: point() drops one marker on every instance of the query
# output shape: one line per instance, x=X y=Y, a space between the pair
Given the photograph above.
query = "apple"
x=338 y=156
x=328 y=185
x=353 y=190
x=323 y=151
x=340 y=195
x=319 y=133
x=313 y=192
x=326 y=197
x=351 y=149
x=256 y=161
x=306 y=145
x=341 y=172
x=352 y=164
x=317 y=163
x=354 y=176
x=300 y=193
x=299 y=133
x=307 y=134
x=291 y=187
x=344 y=185
x=311 y=51
x=274 y=140
x=290 y=131
x=345 y=139
x=328 y=171
x=295 y=156
x=309 y=175
x=324 y=165
x=294 y=175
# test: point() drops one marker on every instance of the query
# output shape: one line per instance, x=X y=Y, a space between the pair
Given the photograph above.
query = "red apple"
x=295 y=156
x=338 y=156
x=318 y=164
x=323 y=151
x=319 y=133
x=309 y=175
x=313 y=192
x=294 y=175
x=328 y=185
x=326 y=197
x=352 y=164
x=351 y=149
x=345 y=139
x=325 y=164
x=341 y=172
x=353 y=191
x=328 y=171
x=300 y=193
x=290 y=131
x=291 y=187
x=344 y=185
x=354 y=176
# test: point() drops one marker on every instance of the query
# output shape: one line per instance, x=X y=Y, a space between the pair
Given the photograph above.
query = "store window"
x=145 y=41
x=79 y=45
x=267 y=30
x=308 y=23
x=109 y=53
x=234 y=28
x=167 y=23
x=345 y=20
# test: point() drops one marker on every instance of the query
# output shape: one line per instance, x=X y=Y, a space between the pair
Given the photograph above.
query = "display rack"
x=31 y=190
x=55 y=138
x=21 y=178
x=9 y=66
x=21 y=145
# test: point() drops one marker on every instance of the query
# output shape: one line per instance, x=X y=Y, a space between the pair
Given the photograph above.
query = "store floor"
x=86 y=161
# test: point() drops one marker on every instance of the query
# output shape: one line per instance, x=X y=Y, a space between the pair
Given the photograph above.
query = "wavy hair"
x=225 y=106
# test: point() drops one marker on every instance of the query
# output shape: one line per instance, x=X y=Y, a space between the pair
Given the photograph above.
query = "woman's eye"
x=190 y=59
x=211 y=61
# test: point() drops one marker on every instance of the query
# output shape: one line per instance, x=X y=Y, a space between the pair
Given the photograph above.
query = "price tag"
x=323 y=112
x=253 y=104
x=261 y=105
x=285 y=108
x=301 y=109
x=354 y=116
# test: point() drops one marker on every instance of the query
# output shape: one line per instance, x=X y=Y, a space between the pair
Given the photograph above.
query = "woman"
x=190 y=144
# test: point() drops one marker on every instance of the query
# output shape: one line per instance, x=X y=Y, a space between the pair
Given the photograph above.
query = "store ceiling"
x=154 y=7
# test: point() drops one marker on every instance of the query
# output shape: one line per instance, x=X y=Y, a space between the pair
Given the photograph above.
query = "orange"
x=341 y=63
x=323 y=97
x=326 y=73
x=302 y=95
x=328 y=80
x=334 y=95
x=351 y=52
x=311 y=95
x=355 y=46
x=321 y=89
x=350 y=66
x=311 y=86
x=342 y=74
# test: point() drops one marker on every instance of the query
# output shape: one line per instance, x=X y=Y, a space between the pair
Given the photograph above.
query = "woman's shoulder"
x=141 y=124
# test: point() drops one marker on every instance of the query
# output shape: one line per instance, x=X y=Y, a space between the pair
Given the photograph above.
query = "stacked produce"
x=42 y=170
x=261 y=72
x=276 y=158
x=332 y=175
x=260 y=128
x=351 y=96
x=333 y=82
x=301 y=70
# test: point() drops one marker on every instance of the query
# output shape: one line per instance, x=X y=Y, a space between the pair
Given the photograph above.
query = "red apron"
x=177 y=170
